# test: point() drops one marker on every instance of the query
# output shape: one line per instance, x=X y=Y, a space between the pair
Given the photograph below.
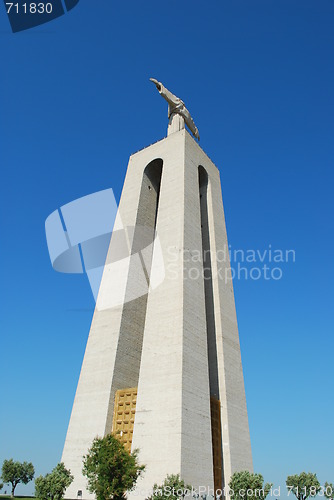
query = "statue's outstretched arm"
x=172 y=99
x=190 y=122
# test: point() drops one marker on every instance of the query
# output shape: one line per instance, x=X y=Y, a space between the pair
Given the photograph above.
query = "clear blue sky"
x=76 y=101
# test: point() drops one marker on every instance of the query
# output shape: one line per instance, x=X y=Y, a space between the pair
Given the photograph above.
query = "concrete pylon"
x=162 y=365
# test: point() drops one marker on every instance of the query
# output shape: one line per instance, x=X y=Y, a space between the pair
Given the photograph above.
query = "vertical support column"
x=113 y=351
x=235 y=430
x=197 y=460
x=236 y=444
x=172 y=424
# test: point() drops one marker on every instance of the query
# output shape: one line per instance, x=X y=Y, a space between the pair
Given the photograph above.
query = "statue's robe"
x=177 y=106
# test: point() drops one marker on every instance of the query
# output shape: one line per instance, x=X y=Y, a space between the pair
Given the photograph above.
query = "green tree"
x=172 y=488
x=52 y=486
x=1 y=486
x=245 y=485
x=329 y=490
x=110 y=469
x=303 y=485
x=17 y=472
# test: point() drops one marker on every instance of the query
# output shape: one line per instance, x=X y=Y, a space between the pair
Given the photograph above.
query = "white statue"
x=177 y=111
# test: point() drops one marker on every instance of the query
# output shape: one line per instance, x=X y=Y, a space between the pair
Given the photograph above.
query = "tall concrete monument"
x=162 y=366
